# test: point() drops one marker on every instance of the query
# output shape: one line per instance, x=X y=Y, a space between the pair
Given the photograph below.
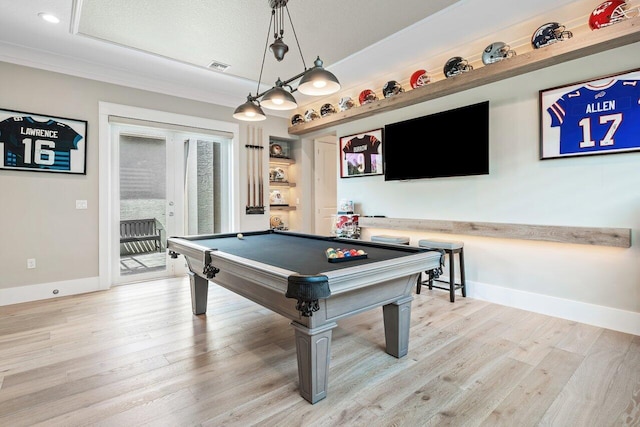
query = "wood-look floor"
x=135 y=355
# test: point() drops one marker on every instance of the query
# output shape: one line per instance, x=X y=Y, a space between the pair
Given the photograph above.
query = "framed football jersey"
x=599 y=116
x=361 y=154
x=33 y=142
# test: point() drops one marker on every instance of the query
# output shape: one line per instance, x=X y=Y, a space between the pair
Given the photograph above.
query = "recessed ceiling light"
x=49 y=17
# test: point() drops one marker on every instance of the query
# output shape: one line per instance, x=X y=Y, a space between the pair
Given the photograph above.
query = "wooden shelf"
x=617 y=35
x=281 y=161
x=281 y=184
x=282 y=208
x=617 y=237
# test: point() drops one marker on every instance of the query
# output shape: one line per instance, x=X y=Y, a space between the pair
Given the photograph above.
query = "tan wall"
x=38 y=218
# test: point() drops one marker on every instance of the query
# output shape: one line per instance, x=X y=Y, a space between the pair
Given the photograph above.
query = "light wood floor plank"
x=136 y=356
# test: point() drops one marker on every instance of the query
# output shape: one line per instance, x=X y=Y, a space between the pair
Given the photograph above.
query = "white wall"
x=592 y=284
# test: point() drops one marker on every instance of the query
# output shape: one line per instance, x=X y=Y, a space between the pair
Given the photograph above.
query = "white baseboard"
x=591 y=314
x=43 y=291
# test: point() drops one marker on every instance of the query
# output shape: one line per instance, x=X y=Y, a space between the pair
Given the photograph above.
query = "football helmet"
x=610 y=12
x=311 y=114
x=456 y=65
x=367 y=96
x=327 y=109
x=419 y=78
x=346 y=103
x=549 y=33
x=496 y=52
x=391 y=88
x=297 y=119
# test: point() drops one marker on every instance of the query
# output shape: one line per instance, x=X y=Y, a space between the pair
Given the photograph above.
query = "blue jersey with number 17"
x=598 y=118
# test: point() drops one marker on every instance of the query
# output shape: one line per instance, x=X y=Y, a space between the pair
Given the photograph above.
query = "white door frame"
x=107 y=171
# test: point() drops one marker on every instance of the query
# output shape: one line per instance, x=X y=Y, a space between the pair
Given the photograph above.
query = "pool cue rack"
x=255 y=180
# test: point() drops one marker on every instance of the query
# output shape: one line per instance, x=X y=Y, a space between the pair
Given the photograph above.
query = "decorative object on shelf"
x=277 y=175
x=255 y=186
x=296 y=119
x=591 y=117
x=36 y=143
x=611 y=12
x=311 y=115
x=346 y=103
x=548 y=34
x=345 y=206
x=361 y=154
x=345 y=225
x=419 y=78
x=391 y=88
x=327 y=109
x=315 y=81
x=277 y=199
x=456 y=65
x=277 y=223
x=275 y=150
x=367 y=96
x=496 y=52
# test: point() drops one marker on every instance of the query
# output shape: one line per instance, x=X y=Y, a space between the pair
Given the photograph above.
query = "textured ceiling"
x=235 y=32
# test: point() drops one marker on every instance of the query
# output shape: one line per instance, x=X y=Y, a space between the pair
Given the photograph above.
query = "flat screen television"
x=445 y=144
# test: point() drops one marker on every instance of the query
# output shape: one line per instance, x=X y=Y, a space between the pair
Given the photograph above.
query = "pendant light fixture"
x=315 y=81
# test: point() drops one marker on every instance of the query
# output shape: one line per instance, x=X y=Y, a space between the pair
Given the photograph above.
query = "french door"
x=169 y=183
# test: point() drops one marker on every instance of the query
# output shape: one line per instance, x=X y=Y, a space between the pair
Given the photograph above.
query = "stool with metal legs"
x=450 y=249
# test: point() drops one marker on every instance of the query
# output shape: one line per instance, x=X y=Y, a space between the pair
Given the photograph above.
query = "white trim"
x=591 y=314
x=42 y=291
x=105 y=110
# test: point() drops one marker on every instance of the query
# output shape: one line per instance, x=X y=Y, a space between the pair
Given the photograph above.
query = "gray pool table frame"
x=354 y=290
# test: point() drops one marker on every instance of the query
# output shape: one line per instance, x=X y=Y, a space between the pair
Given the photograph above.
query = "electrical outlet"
x=81 y=204
x=31 y=263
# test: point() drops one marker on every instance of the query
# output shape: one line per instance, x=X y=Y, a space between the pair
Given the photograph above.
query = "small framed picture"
x=600 y=116
x=37 y=143
x=361 y=154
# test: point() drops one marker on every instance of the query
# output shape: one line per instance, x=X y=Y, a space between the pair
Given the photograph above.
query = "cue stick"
x=248 y=171
x=260 y=181
x=253 y=166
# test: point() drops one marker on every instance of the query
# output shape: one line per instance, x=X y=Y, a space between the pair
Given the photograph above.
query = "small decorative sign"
x=593 y=117
x=32 y=142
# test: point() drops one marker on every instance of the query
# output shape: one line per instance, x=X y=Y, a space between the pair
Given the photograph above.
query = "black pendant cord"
x=295 y=36
x=264 y=55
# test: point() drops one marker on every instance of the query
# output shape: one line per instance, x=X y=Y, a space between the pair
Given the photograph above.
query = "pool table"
x=290 y=274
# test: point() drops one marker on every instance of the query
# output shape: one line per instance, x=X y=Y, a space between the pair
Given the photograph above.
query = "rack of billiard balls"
x=344 y=254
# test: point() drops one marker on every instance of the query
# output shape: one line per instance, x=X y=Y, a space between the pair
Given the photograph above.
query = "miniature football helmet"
x=610 y=12
x=419 y=78
x=327 y=109
x=391 y=88
x=297 y=119
x=367 y=96
x=275 y=150
x=346 y=103
x=496 y=52
x=549 y=33
x=455 y=66
x=310 y=115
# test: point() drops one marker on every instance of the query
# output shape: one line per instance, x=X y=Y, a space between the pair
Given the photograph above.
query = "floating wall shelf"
x=617 y=35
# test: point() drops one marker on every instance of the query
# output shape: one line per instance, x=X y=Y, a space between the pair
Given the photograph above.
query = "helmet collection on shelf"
x=605 y=14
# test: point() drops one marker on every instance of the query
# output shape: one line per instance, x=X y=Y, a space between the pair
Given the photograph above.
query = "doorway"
x=162 y=175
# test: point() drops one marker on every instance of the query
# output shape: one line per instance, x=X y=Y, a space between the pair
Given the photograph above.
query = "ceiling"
x=167 y=45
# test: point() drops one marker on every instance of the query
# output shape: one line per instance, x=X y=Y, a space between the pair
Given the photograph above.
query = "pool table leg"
x=313 y=347
x=199 y=293
x=397 y=320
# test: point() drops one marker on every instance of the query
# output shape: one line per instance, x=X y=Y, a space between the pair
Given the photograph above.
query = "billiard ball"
x=240 y=236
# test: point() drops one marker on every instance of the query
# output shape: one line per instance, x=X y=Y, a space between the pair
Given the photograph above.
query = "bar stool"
x=449 y=248
x=385 y=238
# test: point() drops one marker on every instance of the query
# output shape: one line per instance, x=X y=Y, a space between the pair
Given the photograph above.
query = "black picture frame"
x=42 y=143
x=361 y=154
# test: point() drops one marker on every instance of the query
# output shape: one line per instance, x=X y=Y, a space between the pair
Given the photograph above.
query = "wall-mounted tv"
x=449 y=143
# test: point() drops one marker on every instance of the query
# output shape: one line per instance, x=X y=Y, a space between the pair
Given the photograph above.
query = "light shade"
x=249 y=111
x=318 y=81
x=278 y=98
